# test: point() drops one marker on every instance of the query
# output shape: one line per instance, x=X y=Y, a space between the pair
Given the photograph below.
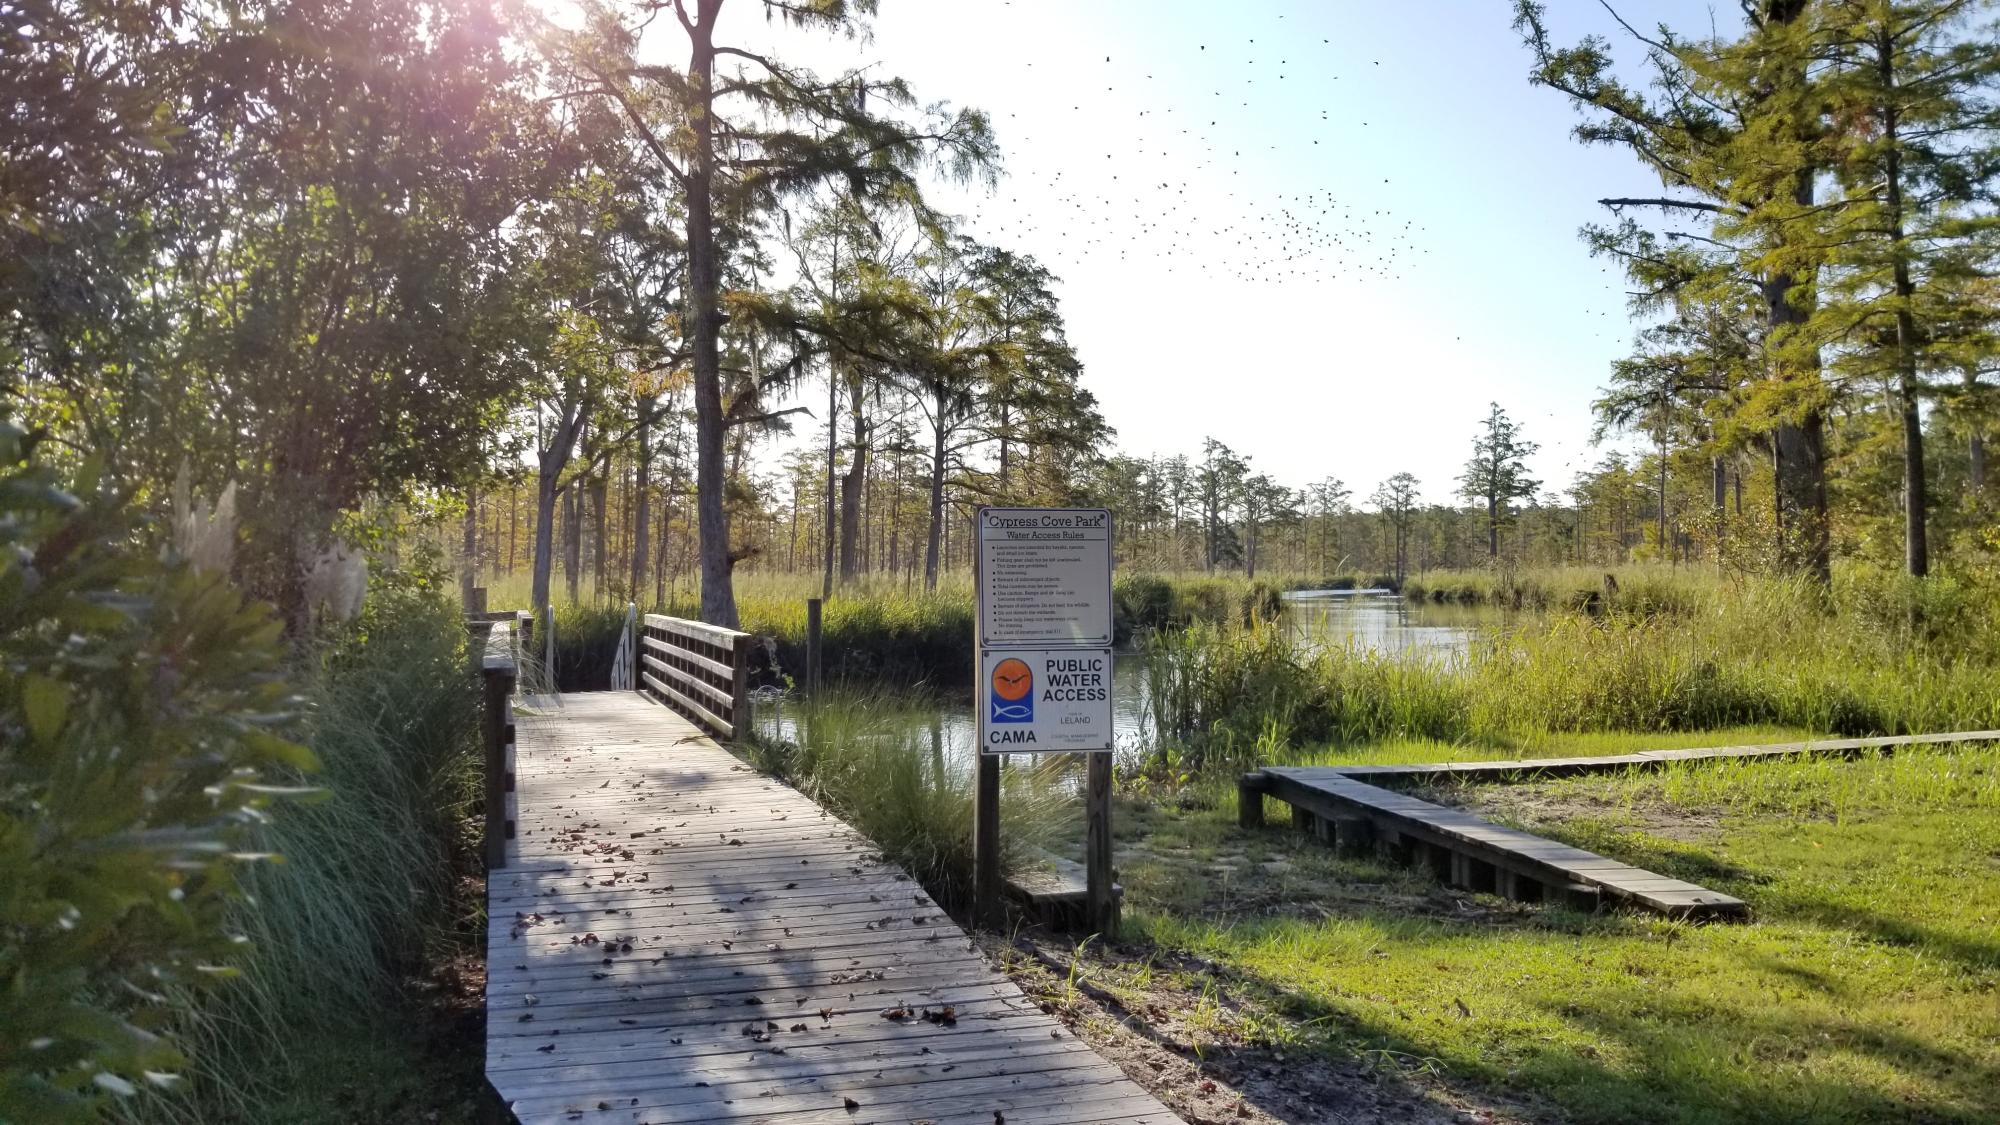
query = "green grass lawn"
x=1867 y=989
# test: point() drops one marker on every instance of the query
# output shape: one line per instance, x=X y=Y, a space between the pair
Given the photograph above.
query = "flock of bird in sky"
x=1171 y=189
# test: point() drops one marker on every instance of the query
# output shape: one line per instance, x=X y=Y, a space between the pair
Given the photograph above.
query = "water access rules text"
x=1045 y=577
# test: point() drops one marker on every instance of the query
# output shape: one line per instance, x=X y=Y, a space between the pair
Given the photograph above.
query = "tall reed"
x=1769 y=652
x=365 y=887
x=869 y=758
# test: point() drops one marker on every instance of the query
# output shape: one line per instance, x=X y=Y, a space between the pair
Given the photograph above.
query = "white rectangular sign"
x=1044 y=577
x=1043 y=699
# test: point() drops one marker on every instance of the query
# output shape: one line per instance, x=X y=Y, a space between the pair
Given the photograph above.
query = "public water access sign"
x=1044 y=577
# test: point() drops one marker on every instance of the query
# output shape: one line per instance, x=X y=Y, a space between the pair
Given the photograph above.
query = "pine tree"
x=1909 y=90
x=1497 y=474
x=1734 y=136
x=1396 y=500
x=1219 y=482
x=1329 y=499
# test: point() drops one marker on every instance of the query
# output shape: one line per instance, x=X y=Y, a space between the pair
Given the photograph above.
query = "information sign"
x=1043 y=699
x=1044 y=577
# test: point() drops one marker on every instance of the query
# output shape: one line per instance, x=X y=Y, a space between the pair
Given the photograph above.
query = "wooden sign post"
x=1042 y=667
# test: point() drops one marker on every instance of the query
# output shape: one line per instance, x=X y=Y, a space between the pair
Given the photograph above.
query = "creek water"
x=1370 y=620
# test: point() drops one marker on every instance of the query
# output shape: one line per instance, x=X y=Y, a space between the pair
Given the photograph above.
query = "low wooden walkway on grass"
x=1346 y=806
x=677 y=938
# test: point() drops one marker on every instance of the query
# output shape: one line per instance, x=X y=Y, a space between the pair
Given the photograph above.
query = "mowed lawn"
x=1867 y=989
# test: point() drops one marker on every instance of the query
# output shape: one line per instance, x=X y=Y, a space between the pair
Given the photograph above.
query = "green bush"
x=140 y=704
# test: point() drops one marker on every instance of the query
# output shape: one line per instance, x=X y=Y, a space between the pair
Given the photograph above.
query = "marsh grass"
x=1871 y=658
x=366 y=886
x=878 y=631
x=865 y=757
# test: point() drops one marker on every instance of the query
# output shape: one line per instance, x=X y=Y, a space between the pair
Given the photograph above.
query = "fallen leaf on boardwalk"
x=899 y=1012
x=798 y=1027
x=546 y=1048
x=852 y=1105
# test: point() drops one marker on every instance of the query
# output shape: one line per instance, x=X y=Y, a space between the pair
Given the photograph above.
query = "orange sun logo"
x=1012 y=679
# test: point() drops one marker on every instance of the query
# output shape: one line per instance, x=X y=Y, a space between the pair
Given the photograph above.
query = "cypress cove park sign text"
x=1044 y=667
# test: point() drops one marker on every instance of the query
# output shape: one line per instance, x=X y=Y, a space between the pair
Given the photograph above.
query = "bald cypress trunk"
x=718 y=592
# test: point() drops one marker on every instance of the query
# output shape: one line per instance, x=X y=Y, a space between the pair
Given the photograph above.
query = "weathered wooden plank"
x=698 y=630
x=1603 y=763
x=720 y=725
x=683 y=677
x=676 y=652
x=616 y=1054
x=1004 y=1092
x=1474 y=848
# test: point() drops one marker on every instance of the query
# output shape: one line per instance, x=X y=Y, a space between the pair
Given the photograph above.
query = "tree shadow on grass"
x=1772 y=896
x=1683 y=1061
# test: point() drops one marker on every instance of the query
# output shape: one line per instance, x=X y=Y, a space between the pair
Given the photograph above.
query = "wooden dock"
x=1469 y=852
x=677 y=938
x=1348 y=807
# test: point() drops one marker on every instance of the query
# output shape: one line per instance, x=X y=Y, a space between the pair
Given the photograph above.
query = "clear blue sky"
x=1325 y=233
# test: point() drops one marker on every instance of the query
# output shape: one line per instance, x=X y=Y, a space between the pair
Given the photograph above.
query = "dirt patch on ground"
x=1537 y=805
x=1178 y=1026
x=1218 y=1044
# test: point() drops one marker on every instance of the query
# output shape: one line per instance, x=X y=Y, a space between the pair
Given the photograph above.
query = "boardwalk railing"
x=699 y=670
x=499 y=669
x=479 y=625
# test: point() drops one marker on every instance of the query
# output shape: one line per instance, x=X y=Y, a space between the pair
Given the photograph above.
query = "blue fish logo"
x=1013 y=697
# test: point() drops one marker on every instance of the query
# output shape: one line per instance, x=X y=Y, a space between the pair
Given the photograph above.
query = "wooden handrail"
x=699 y=670
x=499 y=669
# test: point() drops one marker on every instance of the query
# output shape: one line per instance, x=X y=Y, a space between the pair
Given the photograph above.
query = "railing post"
x=496 y=728
x=739 y=688
x=1100 y=902
x=814 y=607
x=549 y=647
x=631 y=647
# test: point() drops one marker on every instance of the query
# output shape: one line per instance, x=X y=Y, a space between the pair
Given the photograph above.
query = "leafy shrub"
x=139 y=703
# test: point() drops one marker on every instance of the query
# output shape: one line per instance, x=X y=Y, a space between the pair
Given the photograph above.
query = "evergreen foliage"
x=141 y=710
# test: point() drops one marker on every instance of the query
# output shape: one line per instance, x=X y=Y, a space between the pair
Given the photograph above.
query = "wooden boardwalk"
x=1466 y=851
x=1346 y=806
x=677 y=938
